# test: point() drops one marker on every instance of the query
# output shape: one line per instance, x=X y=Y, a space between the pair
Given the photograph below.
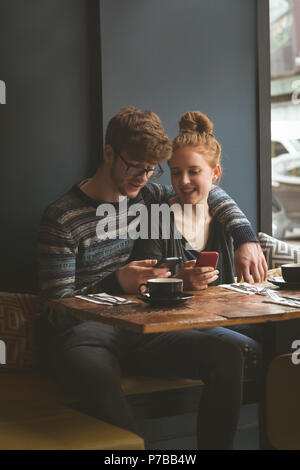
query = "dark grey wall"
x=50 y=127
x=174 y=55
x=167 y=55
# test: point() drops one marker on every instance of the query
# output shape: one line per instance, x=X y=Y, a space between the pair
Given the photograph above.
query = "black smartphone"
x=168 y=262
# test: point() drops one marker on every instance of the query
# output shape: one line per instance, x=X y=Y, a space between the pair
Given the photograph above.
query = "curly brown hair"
x=140 y=133
x=196 y=131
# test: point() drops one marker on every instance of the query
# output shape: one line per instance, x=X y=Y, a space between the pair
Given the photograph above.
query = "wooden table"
x=214 y=306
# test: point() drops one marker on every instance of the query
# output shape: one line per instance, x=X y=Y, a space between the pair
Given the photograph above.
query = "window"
x=285 y=116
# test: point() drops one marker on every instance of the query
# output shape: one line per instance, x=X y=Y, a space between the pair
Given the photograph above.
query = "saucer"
x=165 y=300
x=282 y=284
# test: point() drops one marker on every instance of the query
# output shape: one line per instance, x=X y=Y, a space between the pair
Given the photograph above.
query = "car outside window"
x=278 y=149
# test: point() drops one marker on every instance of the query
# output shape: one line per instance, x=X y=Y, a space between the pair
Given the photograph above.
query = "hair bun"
x=194 y=121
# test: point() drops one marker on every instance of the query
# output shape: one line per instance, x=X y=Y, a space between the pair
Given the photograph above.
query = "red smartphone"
x=207 y=258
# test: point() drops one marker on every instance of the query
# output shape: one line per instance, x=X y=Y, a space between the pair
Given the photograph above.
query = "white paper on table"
x=105 y=299
x=236 y=289
x=283 y=302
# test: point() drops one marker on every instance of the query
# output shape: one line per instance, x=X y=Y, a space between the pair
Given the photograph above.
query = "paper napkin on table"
x=283 y=301
x=241 y=287
x=272 y=296
x=105 y=299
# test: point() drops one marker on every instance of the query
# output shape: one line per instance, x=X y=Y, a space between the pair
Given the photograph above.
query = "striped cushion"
x=16 y=330
x=277 y=252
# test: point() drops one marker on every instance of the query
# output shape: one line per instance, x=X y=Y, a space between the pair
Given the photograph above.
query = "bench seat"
x=35 y=415
x=30 y=426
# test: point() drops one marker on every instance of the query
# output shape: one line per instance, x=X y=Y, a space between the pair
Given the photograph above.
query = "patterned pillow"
x=16 y=330
x=277 y=252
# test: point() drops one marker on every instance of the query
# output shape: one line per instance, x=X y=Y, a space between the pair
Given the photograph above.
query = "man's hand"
x=249 y=260
x=196 y=278
x=135 y=273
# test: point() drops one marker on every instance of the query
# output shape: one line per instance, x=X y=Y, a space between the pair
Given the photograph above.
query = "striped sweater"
x=72 y=259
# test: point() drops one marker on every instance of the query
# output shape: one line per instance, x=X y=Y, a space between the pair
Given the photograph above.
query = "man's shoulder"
x=156 y=193
x=62 y=208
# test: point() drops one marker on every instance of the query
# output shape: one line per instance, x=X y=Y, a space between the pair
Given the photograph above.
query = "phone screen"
x=168 y=262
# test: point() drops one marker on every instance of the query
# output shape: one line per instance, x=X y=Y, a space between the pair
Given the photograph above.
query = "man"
x=88 y=357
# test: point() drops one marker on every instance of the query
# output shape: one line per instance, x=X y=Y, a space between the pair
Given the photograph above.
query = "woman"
x=195 y=166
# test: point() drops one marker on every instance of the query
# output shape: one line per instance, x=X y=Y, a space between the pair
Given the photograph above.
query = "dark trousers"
x=249 y=338
x=89 y=358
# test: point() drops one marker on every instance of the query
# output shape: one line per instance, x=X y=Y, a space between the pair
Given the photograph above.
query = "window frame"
x=264 y=118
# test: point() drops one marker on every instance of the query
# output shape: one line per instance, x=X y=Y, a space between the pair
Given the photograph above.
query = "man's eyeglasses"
x=137 y=170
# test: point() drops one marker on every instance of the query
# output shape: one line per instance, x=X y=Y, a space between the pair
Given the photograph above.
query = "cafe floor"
x=178 y=432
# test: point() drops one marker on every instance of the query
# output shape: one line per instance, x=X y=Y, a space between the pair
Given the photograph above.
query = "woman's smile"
x=192 y=176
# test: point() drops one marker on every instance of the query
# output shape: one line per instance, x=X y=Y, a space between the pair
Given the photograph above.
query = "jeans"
x=249 y=339
x=89 y=358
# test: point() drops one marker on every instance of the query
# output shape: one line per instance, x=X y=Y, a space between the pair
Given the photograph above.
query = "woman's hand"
x=197 y=278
